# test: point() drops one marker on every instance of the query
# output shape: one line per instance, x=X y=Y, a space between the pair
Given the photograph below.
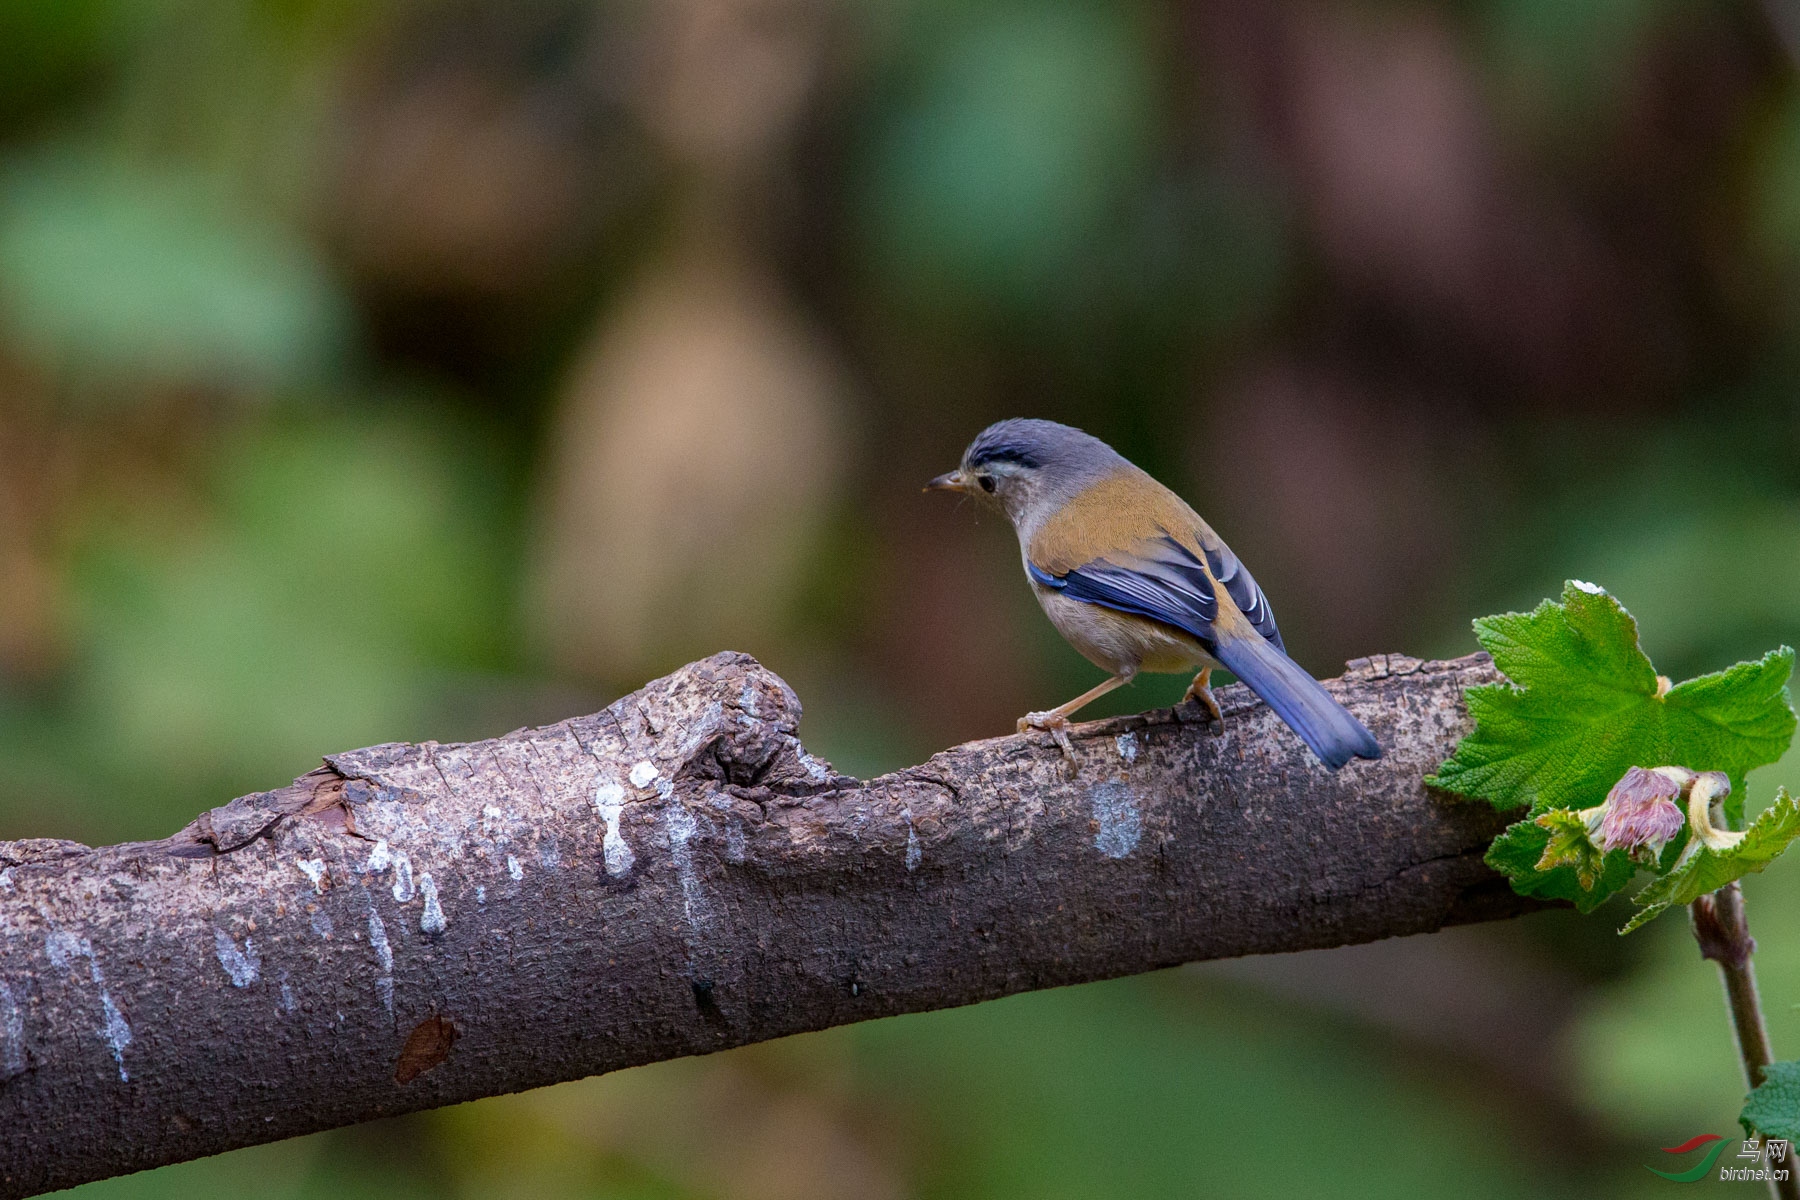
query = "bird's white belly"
x=1119 y=642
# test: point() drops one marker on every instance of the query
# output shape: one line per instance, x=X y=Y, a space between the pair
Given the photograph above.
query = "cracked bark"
x=411 y=926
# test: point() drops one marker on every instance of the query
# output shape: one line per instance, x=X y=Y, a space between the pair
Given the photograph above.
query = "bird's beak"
x=953 y=481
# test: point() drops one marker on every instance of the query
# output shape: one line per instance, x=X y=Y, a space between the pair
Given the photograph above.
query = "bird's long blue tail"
x=1322 y=723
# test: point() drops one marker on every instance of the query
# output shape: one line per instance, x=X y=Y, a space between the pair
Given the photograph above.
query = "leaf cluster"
x=1583 y=704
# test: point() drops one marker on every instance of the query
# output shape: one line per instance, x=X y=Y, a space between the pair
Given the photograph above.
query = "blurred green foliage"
x=331 y=573
x=1567 y=67
x=1019 y=134
x=130 y=275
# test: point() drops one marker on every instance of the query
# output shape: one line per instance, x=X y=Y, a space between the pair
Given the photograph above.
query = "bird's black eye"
x=986 y=482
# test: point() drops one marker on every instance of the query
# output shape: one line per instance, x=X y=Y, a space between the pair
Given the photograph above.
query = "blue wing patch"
x=1170 y=587
x=1243 y=591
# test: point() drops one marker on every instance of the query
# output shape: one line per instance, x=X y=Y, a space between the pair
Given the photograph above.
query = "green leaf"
x=1703 y=869
x=1521 y=852
x=1773 y=1108
x=1720 y=716
x=1582 y=708
x=1568 y=846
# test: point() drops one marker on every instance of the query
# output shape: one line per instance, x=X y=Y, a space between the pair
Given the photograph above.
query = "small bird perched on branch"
x=1136 y=581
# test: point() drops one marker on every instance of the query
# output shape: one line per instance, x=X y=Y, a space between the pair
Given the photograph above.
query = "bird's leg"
x=1055 y=721
x=1201 y=690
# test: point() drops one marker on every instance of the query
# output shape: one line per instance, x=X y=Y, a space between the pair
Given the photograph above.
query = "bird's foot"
x=1053 y=723
x=1199 y=692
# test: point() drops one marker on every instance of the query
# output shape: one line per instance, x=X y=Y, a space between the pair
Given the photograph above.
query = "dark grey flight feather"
x=1170 y=586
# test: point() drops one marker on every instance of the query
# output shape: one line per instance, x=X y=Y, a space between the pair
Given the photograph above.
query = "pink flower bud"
x=1641 y=812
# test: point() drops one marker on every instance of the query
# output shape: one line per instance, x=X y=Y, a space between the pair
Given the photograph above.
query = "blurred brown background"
x=405 y=368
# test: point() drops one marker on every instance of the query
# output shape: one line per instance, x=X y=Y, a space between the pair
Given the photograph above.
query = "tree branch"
x=412 y=926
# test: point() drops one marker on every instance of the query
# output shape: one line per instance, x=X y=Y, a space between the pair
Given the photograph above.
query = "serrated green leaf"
x=1568 y=846
x=1773 y=1109
x=1533 y=747
x=1518 y=854
x=1742 y=709
x=1585 y=646
x=1707 y=870
x=1582 y=708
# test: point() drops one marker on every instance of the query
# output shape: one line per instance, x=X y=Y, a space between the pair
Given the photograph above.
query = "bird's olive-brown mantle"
x=415 y=925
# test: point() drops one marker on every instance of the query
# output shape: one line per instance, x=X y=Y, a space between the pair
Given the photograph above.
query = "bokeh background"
x=390 y=369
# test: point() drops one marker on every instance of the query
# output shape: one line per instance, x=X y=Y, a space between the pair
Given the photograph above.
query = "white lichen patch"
x=480 y=896
x=12 y=1034
x=682 y=827
x=513 y=869
x=384 y=958
x=403 y=877
x=432 y=919
x=747 y=699
x=242 y=967
x=1128 y=746
x=817 y=770
x=609 y=802
x=314 y=870
x=380 y=858
x=378 y=942
x=6 y=880
x=914 y=852
x=1117 y=817
x=643 y=773
x=63 y=949
x=115 y=1029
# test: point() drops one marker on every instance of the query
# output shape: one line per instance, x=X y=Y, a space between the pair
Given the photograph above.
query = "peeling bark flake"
x=427 y=1046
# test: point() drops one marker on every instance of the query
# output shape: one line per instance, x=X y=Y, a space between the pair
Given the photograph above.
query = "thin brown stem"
x=1724 y=937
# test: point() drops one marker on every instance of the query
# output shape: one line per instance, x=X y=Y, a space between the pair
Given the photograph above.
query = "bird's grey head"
x=1029 y=467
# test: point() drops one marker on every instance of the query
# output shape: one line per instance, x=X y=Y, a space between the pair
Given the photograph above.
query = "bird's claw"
x=1202 y=695
x=1052 y=723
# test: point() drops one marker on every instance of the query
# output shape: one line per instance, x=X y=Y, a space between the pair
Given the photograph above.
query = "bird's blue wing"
x=1168 y=584
x=1243 y=590
x=1165 y=581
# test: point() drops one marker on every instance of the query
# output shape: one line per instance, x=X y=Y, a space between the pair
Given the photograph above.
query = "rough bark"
x=412 y=926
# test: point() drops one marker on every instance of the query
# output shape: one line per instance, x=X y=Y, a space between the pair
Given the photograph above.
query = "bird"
x=1135 y=580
